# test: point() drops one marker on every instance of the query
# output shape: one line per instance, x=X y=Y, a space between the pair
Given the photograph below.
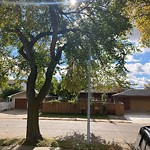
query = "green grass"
x=59 y=115
x=9 y=141
x=71 y=143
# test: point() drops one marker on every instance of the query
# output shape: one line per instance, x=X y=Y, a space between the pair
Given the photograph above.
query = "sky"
x=138 y=64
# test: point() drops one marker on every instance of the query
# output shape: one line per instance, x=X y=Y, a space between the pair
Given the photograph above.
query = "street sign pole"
x=89 y=94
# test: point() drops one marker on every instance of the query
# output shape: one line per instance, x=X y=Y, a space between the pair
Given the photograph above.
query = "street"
x=109 y=130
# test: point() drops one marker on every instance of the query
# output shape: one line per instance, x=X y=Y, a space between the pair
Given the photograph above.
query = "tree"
x=4 y=63
x=109 y=79
x=54 y=89
x=42 y=33
x=139 y=12
x=9 y=90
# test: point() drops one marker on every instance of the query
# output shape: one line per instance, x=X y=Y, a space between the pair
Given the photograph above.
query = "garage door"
x=140 y=104
x=20 y=103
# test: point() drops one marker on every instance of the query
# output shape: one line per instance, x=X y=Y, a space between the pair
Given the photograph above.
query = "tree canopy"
x=11 y=89
x=139 y=13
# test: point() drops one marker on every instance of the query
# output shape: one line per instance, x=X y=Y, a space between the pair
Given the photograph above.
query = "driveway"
x=13 y=114
x=137 y=117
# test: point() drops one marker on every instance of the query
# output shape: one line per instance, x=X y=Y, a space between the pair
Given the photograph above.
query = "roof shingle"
x=134 y=92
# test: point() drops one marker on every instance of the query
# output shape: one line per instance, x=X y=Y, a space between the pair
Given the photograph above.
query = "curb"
x=75 y=119
x=81 y=119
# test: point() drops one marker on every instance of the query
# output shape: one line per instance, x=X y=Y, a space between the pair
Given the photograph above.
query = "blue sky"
x=138 y=64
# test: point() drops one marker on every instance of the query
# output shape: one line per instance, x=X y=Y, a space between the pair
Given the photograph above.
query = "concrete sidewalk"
x=133 y=117
x=22 y=114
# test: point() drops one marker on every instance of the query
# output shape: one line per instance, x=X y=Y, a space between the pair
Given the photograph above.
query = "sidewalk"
x=22 y=114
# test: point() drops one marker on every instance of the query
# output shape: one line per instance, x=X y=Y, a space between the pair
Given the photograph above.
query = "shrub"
x=9 y=90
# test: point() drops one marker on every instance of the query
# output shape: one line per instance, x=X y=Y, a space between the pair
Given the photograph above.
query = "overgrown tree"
x=139 y=12
x=41 y=33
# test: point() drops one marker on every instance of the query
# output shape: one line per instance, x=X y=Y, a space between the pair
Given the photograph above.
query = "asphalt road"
x=110 y=131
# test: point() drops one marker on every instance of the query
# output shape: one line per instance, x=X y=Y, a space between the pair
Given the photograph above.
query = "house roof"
x=19 y=93
x=16 y=94
x=96 y=91
x=134 y=92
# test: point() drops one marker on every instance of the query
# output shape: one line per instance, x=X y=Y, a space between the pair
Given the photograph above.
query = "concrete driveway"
x=13 y=114
x=137 y=117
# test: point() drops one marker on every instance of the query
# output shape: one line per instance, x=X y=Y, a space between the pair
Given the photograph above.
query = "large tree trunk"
x=33 y=132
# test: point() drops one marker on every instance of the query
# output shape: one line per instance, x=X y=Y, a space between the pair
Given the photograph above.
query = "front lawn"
x=60 y=115
x=67 y=143
x=82 y=116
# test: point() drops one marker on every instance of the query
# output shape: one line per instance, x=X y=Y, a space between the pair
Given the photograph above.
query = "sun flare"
x=73 y=2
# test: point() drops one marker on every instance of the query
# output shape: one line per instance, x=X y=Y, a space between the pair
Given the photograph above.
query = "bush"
x=10 y=90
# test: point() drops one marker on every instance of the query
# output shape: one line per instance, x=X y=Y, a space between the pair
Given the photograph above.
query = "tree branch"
x=54 y=23
x=48 y=33
x=23 y=54
x=50 y=70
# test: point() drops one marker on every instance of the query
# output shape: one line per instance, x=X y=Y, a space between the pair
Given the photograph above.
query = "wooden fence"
x=81 y=108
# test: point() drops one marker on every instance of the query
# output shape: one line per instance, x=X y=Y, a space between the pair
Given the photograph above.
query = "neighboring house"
x=134 y=99
x=96 y=95
x=19 y=100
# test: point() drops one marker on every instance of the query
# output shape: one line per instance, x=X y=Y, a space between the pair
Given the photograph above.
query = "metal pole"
x=89 y=94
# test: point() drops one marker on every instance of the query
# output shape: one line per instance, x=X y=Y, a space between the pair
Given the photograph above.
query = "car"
x=143 y=139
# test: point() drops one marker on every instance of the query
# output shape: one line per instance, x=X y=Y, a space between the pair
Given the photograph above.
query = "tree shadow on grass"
x=17 y=144
x=23 y=147
x=77 y=141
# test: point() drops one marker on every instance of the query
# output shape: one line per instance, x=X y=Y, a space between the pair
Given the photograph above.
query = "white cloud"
x=137 y=68
x=134 y=36
x=144 y=50
x=138 y=81
x=131 y=59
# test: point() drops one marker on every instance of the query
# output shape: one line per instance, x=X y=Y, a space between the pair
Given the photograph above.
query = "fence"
x=81 y=108
x=5 y=106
